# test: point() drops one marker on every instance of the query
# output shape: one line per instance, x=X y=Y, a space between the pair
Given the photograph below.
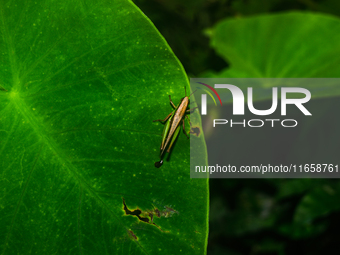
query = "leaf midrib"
x=49 y=143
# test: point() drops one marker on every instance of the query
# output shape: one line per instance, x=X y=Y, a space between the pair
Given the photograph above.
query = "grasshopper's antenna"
x=193 y=93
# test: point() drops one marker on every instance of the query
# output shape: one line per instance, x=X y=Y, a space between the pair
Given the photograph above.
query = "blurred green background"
x=263 y=216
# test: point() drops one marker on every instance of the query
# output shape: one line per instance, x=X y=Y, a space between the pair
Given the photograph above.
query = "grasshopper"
x=172 y=125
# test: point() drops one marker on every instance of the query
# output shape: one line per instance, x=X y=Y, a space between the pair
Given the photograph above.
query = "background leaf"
x=285 y=45
x=84 y=81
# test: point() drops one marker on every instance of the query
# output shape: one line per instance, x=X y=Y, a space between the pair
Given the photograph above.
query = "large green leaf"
x=81 y=83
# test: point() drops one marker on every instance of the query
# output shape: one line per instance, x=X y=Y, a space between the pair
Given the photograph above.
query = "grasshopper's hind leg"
x=174 y=138
x=188 y=111
x=184 y=128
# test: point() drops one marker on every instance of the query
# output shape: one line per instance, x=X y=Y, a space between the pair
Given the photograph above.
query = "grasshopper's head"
x=185 y=99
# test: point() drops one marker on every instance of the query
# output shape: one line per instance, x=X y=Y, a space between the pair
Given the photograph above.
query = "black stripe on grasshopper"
x=172 y=125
